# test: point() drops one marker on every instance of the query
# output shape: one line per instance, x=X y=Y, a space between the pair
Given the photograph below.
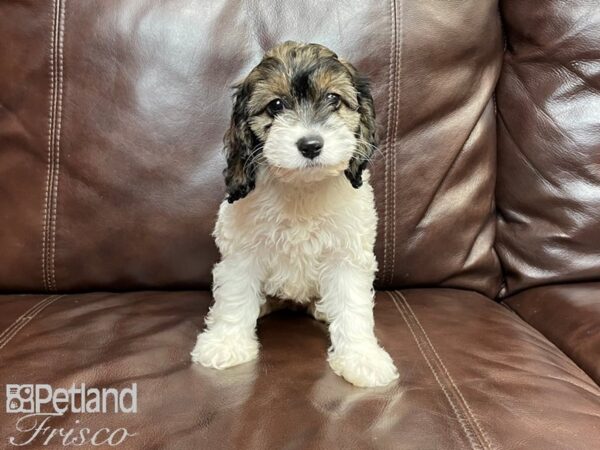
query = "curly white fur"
x=303 y=241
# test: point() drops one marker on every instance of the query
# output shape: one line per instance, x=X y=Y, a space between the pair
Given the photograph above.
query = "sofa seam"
x=483 y=435
x=394 y=157
x=18 y=319
x=467 y=427
x=460 y=417
x=24 y=319
x=53 y=153
x=61 y=30
x=390 y=112
x=50 y=159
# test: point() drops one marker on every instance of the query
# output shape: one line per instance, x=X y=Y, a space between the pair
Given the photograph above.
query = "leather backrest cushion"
x=549 y=143
x=112 y=116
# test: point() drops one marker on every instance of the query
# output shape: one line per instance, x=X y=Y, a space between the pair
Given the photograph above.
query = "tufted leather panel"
x=113 y=113
x=569 y=316
x=473 y=375
x=548 y=191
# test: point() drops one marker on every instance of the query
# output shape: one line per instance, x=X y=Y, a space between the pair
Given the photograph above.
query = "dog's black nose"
x=310 y=146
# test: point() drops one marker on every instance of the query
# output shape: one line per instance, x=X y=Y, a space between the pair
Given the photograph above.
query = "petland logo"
x=41 y=402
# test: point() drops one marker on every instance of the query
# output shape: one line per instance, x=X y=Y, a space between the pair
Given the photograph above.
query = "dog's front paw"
x=220 y=351
x=364 y=367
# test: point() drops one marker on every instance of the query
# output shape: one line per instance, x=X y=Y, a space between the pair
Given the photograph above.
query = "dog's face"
x=303 y=114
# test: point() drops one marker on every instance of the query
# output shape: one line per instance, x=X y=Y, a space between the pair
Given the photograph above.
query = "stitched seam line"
x=462 y=420
x=9 y=333
x=22 y=316
x=472 y=420
x=396 y=120
x=460 y=416
x=61 y=32
x=50 y=159
x=53 y=164
x=388 y=139
x=478 y=426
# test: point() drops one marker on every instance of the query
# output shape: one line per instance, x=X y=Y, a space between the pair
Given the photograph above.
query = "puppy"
x=299 y=221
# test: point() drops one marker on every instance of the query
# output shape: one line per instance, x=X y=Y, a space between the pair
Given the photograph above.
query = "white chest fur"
x=293 y=231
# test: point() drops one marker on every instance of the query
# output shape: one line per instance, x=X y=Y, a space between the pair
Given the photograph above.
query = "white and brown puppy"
x=299 y=221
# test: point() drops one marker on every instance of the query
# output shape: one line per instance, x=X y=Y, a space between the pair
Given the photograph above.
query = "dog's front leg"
x=230 y=335
x=347 y=302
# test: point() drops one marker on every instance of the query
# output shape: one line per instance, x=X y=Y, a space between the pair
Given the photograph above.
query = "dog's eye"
x=333 y=99
x=275 y=107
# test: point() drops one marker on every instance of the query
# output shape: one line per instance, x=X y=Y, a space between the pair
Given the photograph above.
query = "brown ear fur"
x=366 y=133
x=240 y=142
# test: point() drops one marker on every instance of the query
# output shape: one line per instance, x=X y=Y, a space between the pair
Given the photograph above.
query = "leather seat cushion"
x=569 y=316
x=473 y=375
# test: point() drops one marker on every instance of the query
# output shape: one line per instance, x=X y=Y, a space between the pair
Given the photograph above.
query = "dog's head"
x=303 y=114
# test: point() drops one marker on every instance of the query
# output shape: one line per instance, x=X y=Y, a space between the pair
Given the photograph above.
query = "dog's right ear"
x=240 y=141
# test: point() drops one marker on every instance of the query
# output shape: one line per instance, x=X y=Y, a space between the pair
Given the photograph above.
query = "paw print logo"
x=19 y=398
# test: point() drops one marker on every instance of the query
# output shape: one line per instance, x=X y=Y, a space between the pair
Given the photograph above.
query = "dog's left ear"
x=366 y=133
x=240 y=142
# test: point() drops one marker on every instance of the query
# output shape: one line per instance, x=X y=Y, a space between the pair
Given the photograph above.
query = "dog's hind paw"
x=221 y=351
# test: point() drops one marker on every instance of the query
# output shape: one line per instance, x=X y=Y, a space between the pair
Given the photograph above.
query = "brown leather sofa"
x=488 y=187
